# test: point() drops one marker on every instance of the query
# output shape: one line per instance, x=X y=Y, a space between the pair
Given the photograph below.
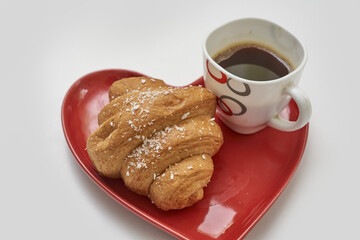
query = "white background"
x=45 y=46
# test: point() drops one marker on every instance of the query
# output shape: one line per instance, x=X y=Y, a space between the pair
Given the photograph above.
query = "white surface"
x=46 y=46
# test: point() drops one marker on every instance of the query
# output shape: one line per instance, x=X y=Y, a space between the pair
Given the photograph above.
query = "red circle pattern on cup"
x=223 y=106
x=221 y=80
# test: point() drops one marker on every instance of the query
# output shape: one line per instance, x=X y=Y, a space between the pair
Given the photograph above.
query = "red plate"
x=250 y=172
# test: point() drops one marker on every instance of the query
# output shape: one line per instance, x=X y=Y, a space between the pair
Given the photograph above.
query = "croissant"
x=158 y=139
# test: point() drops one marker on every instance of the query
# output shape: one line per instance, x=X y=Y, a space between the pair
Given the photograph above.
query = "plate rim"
x=94 y=178
x=142 y=214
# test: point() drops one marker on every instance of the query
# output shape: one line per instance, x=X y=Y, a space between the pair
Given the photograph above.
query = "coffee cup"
x=254 y=66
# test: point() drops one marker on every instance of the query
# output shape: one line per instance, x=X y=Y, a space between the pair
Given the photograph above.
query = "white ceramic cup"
x=247 y=106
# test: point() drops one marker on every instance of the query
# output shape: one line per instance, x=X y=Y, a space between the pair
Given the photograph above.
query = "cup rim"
x=249 y=81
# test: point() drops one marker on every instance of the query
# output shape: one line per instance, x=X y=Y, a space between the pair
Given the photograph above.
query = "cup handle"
x=304 y=105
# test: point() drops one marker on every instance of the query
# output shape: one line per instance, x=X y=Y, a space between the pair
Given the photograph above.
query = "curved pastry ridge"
x=181 y=185
x=194 y=136
x=119 y=135
x=131 y=101
x=127 y=85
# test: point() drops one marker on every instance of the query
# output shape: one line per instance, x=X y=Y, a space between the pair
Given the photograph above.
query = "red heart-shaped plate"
x=250 y=171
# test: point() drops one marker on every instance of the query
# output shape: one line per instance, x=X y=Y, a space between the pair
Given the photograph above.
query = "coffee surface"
x=253 y=62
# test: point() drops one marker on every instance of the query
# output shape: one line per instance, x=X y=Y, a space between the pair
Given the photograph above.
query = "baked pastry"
x=158 y=139
x=181 y=184
x=194 y=136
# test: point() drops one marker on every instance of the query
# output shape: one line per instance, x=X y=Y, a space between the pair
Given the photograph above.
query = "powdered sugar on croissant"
x=148 y=128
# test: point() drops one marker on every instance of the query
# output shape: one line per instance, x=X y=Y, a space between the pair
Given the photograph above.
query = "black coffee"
x=253 y=62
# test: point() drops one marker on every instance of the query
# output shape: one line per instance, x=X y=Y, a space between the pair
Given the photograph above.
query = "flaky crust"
x=191 y=137
x=148 y=128
x=118 y=136
x=127 y=85
x=181 y=185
